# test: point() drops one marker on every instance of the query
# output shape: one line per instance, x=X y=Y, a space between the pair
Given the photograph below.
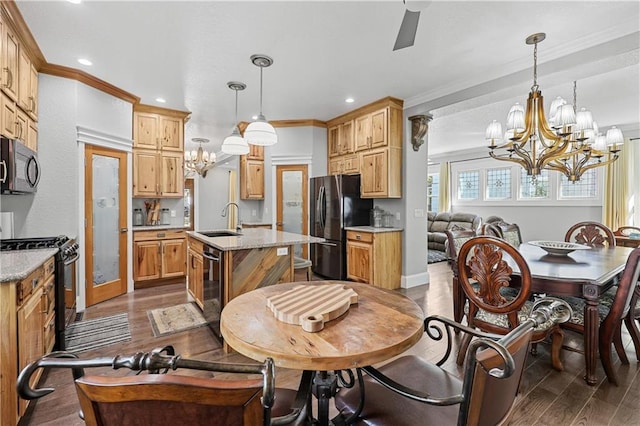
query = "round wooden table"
x=382 y=324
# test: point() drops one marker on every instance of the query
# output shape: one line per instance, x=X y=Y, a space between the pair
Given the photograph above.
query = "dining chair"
x=625 y=231
x=615 y=307
x=592 y=234
x=412 y=391
x=490 y=230
x=510 y=233
x=172 y=398
x=497 y=300
x=455 y=238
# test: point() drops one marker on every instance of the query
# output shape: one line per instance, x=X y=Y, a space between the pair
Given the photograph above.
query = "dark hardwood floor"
x=547 y=397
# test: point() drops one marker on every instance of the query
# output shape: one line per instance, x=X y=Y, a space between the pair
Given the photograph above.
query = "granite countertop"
x=157 y=227
x=254 y=238
x=372 y=229
x=16 y=265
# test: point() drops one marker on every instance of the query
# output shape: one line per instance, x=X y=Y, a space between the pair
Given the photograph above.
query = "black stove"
x=66 y=256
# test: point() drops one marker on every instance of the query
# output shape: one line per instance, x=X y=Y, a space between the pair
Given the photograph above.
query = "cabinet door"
x=352 y=164
x=256 y=152
x=24 y=80
x=9 y=63
x=379 y=129
x=346 y=138
x=172 y=174
x=171 y=136
x=22 y=126
x=195 y=267
x=32 y=135
x=145 y=130
x=30 y=335
x=374 y=173
x=333 y=141
x=252 y=180
x=359 y=261
x=146 y=260
x=173 y=258
x=8 y=117
x=32 y=110
x=363 y=132
x=145 y=173
x=336 y=166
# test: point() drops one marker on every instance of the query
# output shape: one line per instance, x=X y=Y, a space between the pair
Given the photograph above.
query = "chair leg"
x=309 y=273
x=632 y=326
x=534 y=349
x=464 y=344
x=617 y=343
x=604 y=345
x=557 y=337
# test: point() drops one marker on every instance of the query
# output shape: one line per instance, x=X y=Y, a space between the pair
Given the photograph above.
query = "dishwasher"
x=213 y=287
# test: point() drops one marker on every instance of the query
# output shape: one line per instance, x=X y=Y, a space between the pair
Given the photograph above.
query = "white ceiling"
x=468 y=64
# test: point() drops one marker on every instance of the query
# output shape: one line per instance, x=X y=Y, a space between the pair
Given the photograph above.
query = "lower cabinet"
x=159 y=255
x=375 y=258
x=195 y=265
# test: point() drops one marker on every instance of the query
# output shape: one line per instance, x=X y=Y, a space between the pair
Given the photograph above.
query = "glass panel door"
x=292 y=196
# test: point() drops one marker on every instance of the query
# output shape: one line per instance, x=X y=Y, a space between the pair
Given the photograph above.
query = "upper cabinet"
x=10 y=49
x=252 y=174
x=368 y=141
x=158 y=152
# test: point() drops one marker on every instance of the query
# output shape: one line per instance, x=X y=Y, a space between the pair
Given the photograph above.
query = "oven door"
x=213 y=287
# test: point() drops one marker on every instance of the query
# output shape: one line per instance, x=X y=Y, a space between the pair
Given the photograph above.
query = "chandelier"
x=199 y=161
x=568 y=142
x=260 y=132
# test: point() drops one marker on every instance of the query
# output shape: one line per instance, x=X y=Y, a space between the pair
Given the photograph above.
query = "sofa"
x=437 y=223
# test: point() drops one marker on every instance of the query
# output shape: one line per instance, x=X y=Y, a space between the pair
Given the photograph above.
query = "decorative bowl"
x=558 y=248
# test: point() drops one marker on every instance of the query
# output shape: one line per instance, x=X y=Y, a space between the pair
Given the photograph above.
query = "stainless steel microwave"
x=19 y=167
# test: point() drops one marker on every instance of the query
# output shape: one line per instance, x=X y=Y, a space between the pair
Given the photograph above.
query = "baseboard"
x=409 y=281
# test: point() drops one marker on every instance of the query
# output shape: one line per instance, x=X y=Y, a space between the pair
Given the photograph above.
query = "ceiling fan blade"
x=408 y=29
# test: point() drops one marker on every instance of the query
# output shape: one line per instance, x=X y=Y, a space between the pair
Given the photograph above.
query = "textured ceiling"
x=468 y=63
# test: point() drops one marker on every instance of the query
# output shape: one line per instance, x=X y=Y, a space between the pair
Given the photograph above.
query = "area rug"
x=96 y=333
x=174 y=319
x=434 y=256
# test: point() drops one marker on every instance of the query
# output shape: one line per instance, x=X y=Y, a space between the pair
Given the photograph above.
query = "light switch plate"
x=418 y=213
x=173 y=213
x=282 y=251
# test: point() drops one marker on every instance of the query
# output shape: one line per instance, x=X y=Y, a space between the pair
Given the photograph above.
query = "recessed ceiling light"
x=84 y=61
x=349 y=100
x=75 y=1
x=161 y=100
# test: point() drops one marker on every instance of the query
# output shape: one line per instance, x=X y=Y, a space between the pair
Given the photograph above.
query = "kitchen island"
x=223 y=264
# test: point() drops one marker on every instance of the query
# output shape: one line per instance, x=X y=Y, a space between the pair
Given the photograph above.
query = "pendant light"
x=260 y=132
x=235 y=144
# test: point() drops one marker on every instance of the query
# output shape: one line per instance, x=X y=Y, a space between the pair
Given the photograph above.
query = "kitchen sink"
x=219 y=233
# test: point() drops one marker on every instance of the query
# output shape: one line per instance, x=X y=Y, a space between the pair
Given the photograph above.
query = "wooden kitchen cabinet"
x=375 y=258
x=256 y=152
x=10 y=57
x=340 y=139
x=9 y=119
x=333 y=141
x=159 y=256
x=30 y=336
x=158 y=152
x=28 y=78
x=195 y=278
x=251 y=179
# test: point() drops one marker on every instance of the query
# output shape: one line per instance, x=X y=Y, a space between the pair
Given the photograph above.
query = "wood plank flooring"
x=547 y=397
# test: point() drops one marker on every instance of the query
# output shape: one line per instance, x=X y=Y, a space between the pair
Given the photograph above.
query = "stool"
x=299 y=263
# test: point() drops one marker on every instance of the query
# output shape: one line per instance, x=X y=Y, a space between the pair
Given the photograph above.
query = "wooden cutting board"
x=312 y=306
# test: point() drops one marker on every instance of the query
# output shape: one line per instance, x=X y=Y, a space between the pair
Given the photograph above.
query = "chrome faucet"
x=224 y=214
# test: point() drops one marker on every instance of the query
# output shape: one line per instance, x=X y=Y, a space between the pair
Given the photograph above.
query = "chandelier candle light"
x=568 y=142
x=199 y=161
x=235 y=144
x=260 y=132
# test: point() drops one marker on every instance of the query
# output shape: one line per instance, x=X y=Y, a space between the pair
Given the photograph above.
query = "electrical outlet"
x=418 y=213
x=173 y=213
x=282 y=251
x=397 y=215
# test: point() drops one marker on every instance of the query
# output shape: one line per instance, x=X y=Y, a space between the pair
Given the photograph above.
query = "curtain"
x=444 y=192
x=232 y=212
x=620 y=184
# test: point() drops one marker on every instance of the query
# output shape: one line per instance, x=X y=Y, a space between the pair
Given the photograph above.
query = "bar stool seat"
x=300 y=263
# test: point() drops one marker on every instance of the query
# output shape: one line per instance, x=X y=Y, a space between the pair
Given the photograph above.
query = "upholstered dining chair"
x=491 y=230
x=455 y=239
x=412 y=391
x=592 y=234
x=615 y=307
x=510 y=233
x=497 y=300
x=172 y=398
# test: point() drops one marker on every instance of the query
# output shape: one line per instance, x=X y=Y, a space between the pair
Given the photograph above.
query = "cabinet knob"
x=358 y=237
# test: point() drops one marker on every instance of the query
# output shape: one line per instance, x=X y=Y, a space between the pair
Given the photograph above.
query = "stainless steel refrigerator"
x=336 y=204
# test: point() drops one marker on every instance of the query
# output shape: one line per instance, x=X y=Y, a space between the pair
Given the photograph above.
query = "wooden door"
x=24 y=79
x=292 y=213
x=10 y=63
x=334 y=141
x=359 y=261
x=30 y=336
x=171 y=134
x=251 y=179
x=145 y=173
x=362 y=132
x=373 y=172
x=174 y=253
x=106 y=211
x=346 y=138
x=145 y=130
x=379 y=129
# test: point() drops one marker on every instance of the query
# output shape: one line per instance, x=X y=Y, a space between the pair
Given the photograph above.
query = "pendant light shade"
x=260 y=132
x=234 y=144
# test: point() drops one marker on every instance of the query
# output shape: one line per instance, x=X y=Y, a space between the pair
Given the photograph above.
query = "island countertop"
x=254 y=238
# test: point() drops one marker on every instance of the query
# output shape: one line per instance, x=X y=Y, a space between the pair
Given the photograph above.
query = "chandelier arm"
x=524 y=154
x=519 y=161
x=546 y=132
x=608 y=161
x=553 y=154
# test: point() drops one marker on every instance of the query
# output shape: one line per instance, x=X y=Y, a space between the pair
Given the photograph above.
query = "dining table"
x=380 y=325
x=584 y=273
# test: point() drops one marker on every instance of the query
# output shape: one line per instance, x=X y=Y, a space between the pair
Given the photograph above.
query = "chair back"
x=485 y=278
x=491 y=230
x=169 y=399
x=592 y=234
x=456 y=237
x=510 y=233
x=624 y=294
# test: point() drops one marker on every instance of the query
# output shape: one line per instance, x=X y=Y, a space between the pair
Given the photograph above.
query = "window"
x=433 y=189
x=498 y=184
x=534 y=187
x=584 y=188
x=469 y=185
